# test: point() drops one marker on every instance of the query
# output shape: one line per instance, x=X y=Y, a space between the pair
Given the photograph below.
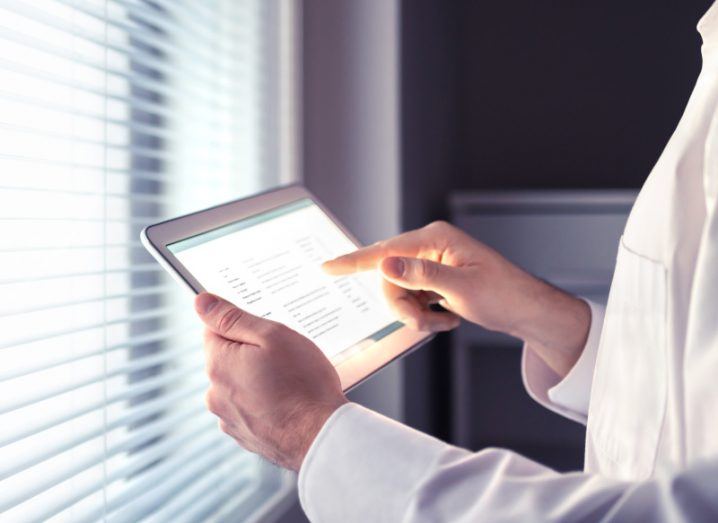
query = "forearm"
x=553 y=323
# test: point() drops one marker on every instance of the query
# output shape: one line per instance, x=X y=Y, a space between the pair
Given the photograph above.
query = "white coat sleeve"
x=365 y=467
x=568 y=396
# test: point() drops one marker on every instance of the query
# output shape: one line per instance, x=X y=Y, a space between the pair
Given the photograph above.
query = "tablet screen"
x=269 y=265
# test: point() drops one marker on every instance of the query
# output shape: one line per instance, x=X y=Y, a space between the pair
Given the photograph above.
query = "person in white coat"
x=641 y=373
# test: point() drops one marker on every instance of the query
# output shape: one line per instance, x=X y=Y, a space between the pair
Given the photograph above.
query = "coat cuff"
x=360 y=457
x=568 y=396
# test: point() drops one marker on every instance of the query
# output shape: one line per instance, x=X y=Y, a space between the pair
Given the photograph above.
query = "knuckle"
x=214 y=369
x=425 y=270
x=381 y=247
x=224 y=426
x=235 y=398
x=229 y=319
x=375 y=250
x=212 y=343
x=207 y=337
x=419 y=324
x=440 y=226
x=213 y=402
x=271 y=330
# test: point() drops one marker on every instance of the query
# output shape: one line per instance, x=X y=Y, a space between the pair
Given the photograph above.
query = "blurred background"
x=530 y=124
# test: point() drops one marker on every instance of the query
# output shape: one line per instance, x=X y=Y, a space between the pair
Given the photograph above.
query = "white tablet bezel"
x=353 y=370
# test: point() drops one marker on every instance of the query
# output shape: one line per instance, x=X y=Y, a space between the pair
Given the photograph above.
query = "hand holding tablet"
x=271 y=387
x=264 y=255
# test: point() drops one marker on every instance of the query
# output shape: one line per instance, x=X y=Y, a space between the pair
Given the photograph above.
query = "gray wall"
x=351 y=137
x=351 y=132
x=580 y=94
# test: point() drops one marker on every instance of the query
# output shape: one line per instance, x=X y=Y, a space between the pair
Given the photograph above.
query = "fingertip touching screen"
x=270 y=265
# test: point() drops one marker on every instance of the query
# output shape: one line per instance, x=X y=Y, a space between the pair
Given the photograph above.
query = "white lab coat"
x=646 y=383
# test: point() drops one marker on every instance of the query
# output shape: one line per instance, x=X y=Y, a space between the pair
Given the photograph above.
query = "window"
x=115 y=114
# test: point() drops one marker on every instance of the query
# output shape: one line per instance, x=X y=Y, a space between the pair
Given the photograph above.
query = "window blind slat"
x=148 y=409
x=147 y=291
x=45 y=394
x=25 y=368
x=96 y=458
x=149 y=494
x=139 y=102
x=133 y=173
x=151 y=314
x=36 y=135
x=124 y=80
x=85 y=113
x=165 y=452
x=174 y=474
x=135 y=197
x=137 y=365
x=200 y=450
x=135 y=391
x=9 y=281
x=204 y=12
x=204 y=494
x=188 y=28
x=90 y=55
x=150 y=38
x=8 y=124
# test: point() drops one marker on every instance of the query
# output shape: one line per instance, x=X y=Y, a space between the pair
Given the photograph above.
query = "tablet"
x=264 y=254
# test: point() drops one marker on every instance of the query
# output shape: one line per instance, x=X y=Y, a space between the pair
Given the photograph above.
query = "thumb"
x=418 y=274
x=231 y=322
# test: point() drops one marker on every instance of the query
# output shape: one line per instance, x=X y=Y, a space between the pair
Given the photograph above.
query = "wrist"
x=530 y=297
x=305 y=428
x=554 y=324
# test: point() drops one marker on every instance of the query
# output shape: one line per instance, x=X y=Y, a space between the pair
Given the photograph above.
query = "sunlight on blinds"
x=115 y=114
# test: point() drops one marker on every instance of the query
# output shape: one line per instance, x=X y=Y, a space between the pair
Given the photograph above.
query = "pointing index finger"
x=367 y=258
x=363 y=259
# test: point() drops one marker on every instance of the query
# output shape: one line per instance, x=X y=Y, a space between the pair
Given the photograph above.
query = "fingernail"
x=332 y=267
x=393 y=267
x=205 y=302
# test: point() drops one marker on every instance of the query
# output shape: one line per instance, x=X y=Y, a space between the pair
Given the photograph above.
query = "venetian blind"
x=115 y=114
